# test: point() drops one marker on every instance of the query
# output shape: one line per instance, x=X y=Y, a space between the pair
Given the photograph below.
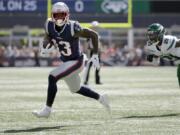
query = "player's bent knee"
x=74 y=89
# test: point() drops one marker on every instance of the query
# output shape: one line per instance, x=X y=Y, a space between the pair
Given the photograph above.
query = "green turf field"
x=144 y=100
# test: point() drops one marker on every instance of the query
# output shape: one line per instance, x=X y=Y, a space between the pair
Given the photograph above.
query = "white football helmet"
x=60 y=13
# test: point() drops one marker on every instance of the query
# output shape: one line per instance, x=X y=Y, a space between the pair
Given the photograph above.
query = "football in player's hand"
x=47 y=47
x=47 y=44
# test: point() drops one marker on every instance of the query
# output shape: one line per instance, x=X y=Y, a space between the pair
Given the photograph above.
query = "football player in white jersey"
x=163 y=46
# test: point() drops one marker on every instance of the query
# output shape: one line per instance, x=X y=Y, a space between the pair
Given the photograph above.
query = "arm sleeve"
x=77 y=27
x=46 y=26
x=146 y=49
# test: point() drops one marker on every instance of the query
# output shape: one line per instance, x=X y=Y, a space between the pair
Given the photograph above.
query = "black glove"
x=150 y=58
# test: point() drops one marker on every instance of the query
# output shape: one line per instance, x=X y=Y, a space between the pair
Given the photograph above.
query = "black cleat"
x=99 y=83
x=85 y=83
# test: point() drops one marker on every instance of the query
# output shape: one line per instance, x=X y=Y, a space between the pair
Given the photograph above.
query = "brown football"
x=46 y=42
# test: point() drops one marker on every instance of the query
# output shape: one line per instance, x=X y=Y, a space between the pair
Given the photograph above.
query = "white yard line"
x=82 y=110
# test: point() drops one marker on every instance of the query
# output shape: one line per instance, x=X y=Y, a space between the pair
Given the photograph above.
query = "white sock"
x=100 y=98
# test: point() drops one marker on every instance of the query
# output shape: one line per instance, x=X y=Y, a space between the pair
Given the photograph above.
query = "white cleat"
x=105 y=102
x=45 y=112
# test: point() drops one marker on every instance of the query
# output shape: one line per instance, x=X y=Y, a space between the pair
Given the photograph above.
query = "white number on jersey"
x=67 y=48
x=166 y=41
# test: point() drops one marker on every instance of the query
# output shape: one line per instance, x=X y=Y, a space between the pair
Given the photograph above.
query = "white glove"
x=95 y=61
x=47 y=50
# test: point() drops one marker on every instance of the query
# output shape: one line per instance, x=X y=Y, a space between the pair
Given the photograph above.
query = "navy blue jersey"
x=67 y=43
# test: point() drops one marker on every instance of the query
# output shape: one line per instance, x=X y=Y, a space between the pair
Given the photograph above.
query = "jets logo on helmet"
x=60 y=13
x=155 y=33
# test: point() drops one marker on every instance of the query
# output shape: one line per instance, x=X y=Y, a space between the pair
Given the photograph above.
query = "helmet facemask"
x=152 y=36
x=60 y=18
x=155 y=33
x=60 y=13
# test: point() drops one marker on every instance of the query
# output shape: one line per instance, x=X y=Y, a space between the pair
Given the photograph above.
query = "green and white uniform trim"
x=166 y=50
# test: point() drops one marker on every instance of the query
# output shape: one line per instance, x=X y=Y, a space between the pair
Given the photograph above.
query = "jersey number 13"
x=64 y=47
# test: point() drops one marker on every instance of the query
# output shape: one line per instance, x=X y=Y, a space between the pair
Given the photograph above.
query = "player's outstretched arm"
x=149 y=58
x=153 y=58
x=90 y=34
x=47 y=46
x=46 y=40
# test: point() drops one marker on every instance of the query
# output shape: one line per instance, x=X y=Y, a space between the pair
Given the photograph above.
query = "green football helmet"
x=155 y=32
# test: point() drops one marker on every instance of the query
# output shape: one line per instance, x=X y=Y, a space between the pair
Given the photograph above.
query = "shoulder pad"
x=46 y=24
x=75 y=27
x=168 y=39
x=169 y=36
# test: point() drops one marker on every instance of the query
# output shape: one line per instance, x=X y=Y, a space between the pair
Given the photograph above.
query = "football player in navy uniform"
x=63 y=34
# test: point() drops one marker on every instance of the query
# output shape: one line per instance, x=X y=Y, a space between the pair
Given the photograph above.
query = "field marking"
x=45 y=79
x=85 y=110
